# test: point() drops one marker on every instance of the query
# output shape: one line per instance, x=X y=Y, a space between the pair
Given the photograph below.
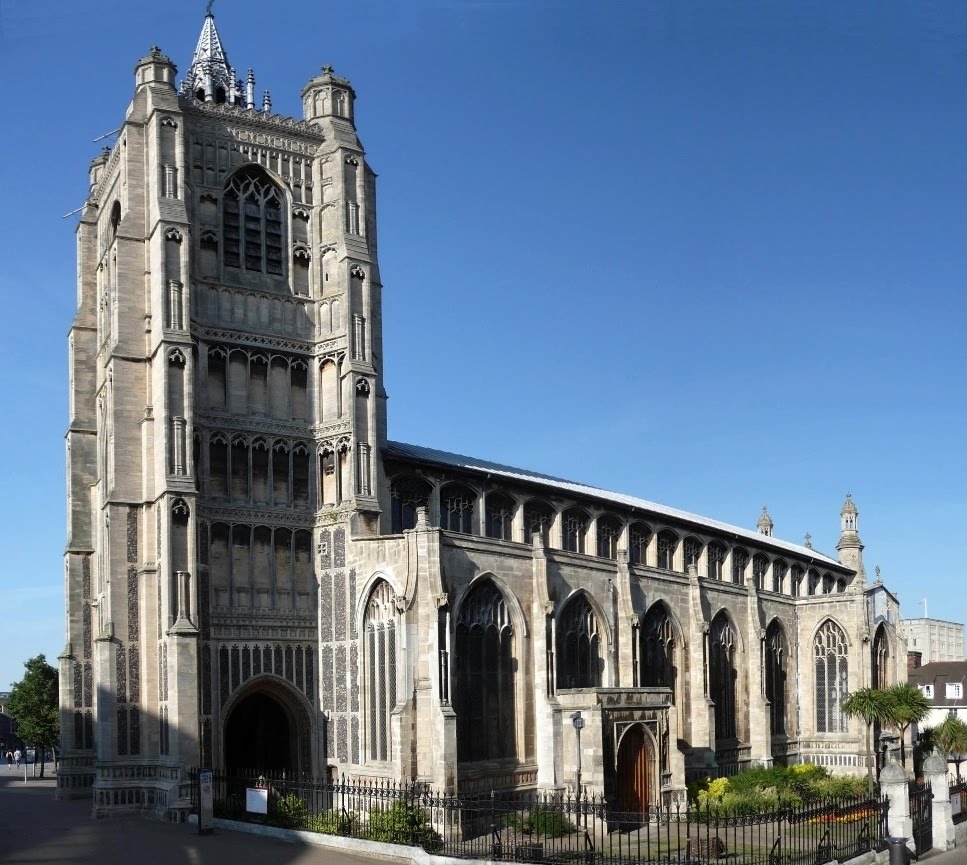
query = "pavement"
x=35 y=827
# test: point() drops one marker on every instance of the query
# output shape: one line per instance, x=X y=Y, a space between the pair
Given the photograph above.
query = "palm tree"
x=872 y=705
x=951 y=738
x=909 y=707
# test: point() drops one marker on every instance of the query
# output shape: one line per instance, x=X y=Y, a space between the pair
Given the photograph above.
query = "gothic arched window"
x=776 y=660
x=579 y=661
x=795 y=580
x=760 y=565
x=723 y=675
x=485 y=686
x=715 y=557
x=779 y=569
x=574 y=528
x=538 y=517
x=406 y=495
x=881 y=659
x=500 y=517
x=831 y=652
x=609 y=531
x=658 y=650
x=456 y=509
x=692 y=549
x=740 y=560
x=667 y=544
x=252 y=223
x=638 y=537
x=379 y=628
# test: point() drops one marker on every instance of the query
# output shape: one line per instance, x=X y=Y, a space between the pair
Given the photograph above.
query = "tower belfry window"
x=252 y=224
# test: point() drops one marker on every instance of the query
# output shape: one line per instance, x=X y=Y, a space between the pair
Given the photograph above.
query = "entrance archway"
x=633 y=771
x=267 y=731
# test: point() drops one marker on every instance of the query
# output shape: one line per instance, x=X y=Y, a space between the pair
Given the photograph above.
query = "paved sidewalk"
x=37 y=828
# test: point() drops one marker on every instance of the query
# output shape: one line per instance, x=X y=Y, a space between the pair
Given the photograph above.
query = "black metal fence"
x=921 y=815
x=546 y=828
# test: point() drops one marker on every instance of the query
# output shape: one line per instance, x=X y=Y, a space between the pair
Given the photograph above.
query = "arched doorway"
x=265 y=732
x=633 y=771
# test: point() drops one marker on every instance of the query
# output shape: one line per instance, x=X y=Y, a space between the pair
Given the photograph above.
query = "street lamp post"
x=578 y=723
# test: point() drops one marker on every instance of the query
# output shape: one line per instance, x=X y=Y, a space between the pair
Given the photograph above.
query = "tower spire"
x=210 y=77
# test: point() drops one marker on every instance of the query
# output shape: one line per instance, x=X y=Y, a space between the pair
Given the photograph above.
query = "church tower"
x=226 y=410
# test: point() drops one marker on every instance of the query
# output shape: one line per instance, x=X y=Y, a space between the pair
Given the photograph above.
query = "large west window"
x=252 y=223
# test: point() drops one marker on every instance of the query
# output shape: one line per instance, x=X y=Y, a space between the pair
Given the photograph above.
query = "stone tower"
x=226 y=407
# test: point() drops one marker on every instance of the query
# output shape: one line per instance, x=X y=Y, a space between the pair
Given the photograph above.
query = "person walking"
x=17 y=757
x=9 y=760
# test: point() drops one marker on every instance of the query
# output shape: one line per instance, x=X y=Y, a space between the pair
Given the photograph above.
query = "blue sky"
x=706 y=253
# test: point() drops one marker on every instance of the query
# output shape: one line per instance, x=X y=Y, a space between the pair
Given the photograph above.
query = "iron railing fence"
x=552 y=828
x=921 y=816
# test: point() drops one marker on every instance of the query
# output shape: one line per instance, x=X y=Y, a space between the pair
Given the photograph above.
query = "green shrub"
x=541 y=823
x=404 y=823
x=331 y=823
x=760 y=790
x=288 y=812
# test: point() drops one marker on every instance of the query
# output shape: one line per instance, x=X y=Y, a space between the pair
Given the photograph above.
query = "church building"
x=258 y=578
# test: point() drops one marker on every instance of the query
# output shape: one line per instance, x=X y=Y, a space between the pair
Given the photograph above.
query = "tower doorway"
x=261 y=734
x=633 y=771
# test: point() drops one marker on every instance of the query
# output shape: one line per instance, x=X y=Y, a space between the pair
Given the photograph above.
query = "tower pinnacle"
x=850 y=546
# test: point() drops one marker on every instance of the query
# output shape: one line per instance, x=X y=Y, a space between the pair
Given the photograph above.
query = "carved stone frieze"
x=241 y=337
x=244 y=118
x=281 y=518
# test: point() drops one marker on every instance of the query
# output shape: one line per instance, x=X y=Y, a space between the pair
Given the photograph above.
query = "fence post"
x=894 y=785
x=935 y=773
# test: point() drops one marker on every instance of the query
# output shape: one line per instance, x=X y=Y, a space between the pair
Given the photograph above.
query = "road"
x=37 y=828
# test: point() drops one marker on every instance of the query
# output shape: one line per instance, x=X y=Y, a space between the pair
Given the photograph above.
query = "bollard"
x=899 y=854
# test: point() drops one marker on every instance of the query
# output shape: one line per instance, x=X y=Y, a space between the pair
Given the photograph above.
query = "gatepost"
x=935 y=773
x=894 y=785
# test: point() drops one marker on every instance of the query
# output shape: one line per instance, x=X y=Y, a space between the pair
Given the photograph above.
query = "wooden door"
x=633 y=771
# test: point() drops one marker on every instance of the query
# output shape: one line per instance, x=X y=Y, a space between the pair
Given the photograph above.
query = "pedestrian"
x=9 y=760
x=17 y=757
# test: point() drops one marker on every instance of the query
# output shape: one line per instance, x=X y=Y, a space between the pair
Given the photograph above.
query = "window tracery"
x=776 y=659
x=779 y=569
x=406 y=495
x=456 y=509
x=379 y=627
x=499 y=517
x=760 y=566
x=609 y=533
x=485 y=679
x=638 y=537
x=658 y=650
x=667 y=545
x=715 y=558
x=723 y=676
x=252 y=223
x=692 y=549
x=831 y=653
x=538 y=517
x=740 y=560
x=579 y=660
x=574 y=527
